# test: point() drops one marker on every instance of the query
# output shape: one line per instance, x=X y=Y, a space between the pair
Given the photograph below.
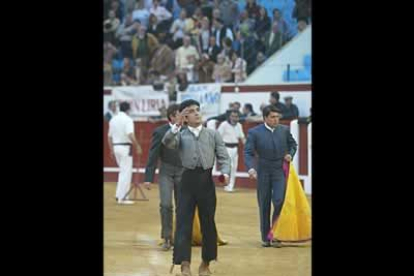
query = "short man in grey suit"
x=169 y=174
x=274 y=144
x=198 y=147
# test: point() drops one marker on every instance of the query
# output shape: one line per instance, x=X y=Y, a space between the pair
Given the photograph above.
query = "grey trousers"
x=169 y=179
x=271 y=186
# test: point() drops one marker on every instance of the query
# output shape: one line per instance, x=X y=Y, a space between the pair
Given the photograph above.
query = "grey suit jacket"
x=210 y=143
x=159 y=151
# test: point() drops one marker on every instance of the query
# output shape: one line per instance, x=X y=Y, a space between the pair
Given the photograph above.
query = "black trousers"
x=197 y=189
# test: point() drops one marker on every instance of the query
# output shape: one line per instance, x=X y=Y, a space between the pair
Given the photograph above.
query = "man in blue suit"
x=273 y=143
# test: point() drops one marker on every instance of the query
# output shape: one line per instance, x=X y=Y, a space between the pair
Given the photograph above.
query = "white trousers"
x=124 y=162
x=234 y=159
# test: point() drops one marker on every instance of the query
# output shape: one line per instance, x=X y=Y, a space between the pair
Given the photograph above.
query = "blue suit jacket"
x=270 y=147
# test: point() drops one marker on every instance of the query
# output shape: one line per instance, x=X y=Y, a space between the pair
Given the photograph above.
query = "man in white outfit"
x=232 y=133
x=121 y=137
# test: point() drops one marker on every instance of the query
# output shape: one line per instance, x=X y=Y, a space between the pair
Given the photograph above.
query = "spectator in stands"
x=143 y=46
x=236 y=44
x=274 y=100
x=262 y=24
x=291 y=110
x=117 y=7
x=247 y=24
x=109 y=51
x=128 y=76
x=197 y=19
x=153 y=26
x=236 y=106
x=301 y=25
x=124 y=34
x=141 y=13
x=111 y=111
x=282 y=25
x=221 y=32
x=273 y=40
x=179 y=28
x=117 y=66
x=302 y=9
x=213 y=50
x=222 y=70
x=205 y=69
x=227 y=47
x=204 y=36
x=229 y=11
x=248 y=111
x=260 y=59
x=163 y=15
x=248 y=50
x=183 y=53
x=216 y=14
x=163 y=60
x=239 y=67
x=110 y=27
x=253 y=9
x=207 y=7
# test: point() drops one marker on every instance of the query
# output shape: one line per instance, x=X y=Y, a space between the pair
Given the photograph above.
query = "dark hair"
x=249 y=107
x=270 y=108
x=188 y=103
x=233 y=111
x=124 y=106
x=275 y=95
x=276 y=9
x=110 y=103
x=239 y=104
x=171 y=110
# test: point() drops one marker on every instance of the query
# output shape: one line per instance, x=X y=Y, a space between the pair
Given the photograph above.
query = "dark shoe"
x=166 y=245
x=266 y=244
x=203 y=270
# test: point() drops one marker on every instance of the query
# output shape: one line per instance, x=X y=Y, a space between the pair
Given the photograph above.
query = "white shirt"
x=195 y=130
x=269 y=128
x=119 y=127
x=181 y=55
x=231 y=134
x=161 y=13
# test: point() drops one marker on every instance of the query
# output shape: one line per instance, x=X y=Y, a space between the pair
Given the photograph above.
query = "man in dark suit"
x=213 y=50
x=273 y=40
x=274 y=144
x=169 y=174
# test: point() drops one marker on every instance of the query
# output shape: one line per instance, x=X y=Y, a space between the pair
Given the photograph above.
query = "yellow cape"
x=295 y=222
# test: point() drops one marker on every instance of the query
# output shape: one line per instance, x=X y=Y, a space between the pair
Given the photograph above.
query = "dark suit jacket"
x=271 y=147
x=108 y=116
x=159 y=151
x=215 y=50
x=277 y=43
